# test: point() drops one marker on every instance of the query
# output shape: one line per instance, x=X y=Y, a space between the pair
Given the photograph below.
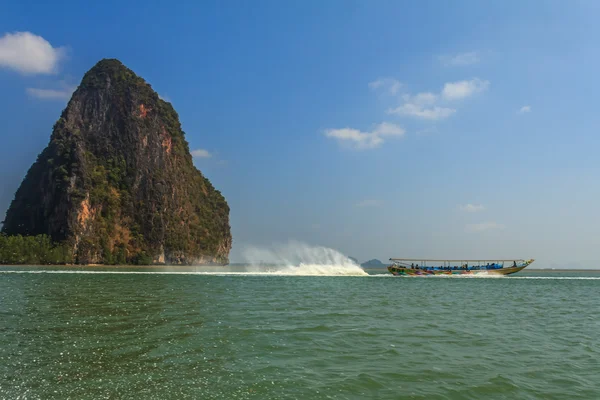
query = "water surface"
x=197 y=334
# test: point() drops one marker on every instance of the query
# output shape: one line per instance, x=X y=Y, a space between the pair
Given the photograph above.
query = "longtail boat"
x=426 y=267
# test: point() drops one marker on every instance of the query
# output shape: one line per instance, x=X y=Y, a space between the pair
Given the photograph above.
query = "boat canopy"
x=434 y=263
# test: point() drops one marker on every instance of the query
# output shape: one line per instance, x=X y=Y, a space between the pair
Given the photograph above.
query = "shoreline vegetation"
x=40 y=250
x=33 y=250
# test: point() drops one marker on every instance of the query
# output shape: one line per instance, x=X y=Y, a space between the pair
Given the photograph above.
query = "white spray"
x=296 y=258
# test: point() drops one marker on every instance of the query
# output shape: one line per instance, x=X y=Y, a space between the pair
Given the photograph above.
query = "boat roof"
x=458 y=260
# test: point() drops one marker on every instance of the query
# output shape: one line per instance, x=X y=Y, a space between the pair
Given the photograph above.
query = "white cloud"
x=459 y=60
x=421 y=106
x=365 y=140
x=460 y=90
x=29 y=54
x=389 y=84
x=51 y=94
x=201 y=153
x=484 y=226
x=472 y=207
x=415 y=110
x=426 y=105
x=369 y=203
x=524 y=109
x=424 y=99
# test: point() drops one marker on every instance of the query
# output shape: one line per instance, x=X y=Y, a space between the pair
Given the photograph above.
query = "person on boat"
x=514 y=264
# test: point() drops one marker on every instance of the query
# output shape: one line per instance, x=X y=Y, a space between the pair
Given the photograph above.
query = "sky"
x=462 y=129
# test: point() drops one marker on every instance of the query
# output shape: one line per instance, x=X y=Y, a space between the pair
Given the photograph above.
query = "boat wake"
x=454 y=276
x=302 y=270
x=319 y=270
x=300 y=259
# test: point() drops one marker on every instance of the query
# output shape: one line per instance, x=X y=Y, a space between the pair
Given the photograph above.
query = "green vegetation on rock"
x=40 y=249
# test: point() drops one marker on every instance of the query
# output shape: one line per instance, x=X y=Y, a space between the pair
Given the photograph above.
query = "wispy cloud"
x=432 y=106
x=28 y=53
x=484 y=226
x=419 y=111
x=462 y=89
x=369 y=203
x=429 y=106
x=460 y=60
x=524 y=110
x=201 y=153
x=365 y=140
x=51 y=94
x=472 y=207
x=391 y=85
x=422 y=105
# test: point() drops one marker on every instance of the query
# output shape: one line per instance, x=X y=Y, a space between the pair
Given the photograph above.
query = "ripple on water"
x=256 y=337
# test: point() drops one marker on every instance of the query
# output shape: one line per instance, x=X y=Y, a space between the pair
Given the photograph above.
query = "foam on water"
x=321 y=269
x=300 y=259
x=301 y=270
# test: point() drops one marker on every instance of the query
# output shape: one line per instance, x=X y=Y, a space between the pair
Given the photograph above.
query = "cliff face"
x=117 y=182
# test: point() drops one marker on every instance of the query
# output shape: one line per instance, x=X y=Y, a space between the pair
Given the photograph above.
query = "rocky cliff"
x=117 y=183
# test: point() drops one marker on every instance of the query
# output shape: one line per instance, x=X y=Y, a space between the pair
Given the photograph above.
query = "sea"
x=305 y=331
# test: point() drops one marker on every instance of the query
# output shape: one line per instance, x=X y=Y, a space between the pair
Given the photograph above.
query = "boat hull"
x=401 y=271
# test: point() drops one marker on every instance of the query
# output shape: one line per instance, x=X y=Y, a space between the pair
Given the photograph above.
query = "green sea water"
x=151 y=334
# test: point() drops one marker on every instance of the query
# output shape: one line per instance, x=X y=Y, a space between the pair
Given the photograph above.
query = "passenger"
x=514 y=264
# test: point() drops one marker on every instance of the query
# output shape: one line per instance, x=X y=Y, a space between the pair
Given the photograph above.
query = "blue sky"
x=380 y=129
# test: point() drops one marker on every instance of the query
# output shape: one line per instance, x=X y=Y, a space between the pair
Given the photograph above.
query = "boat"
x=428 y=267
